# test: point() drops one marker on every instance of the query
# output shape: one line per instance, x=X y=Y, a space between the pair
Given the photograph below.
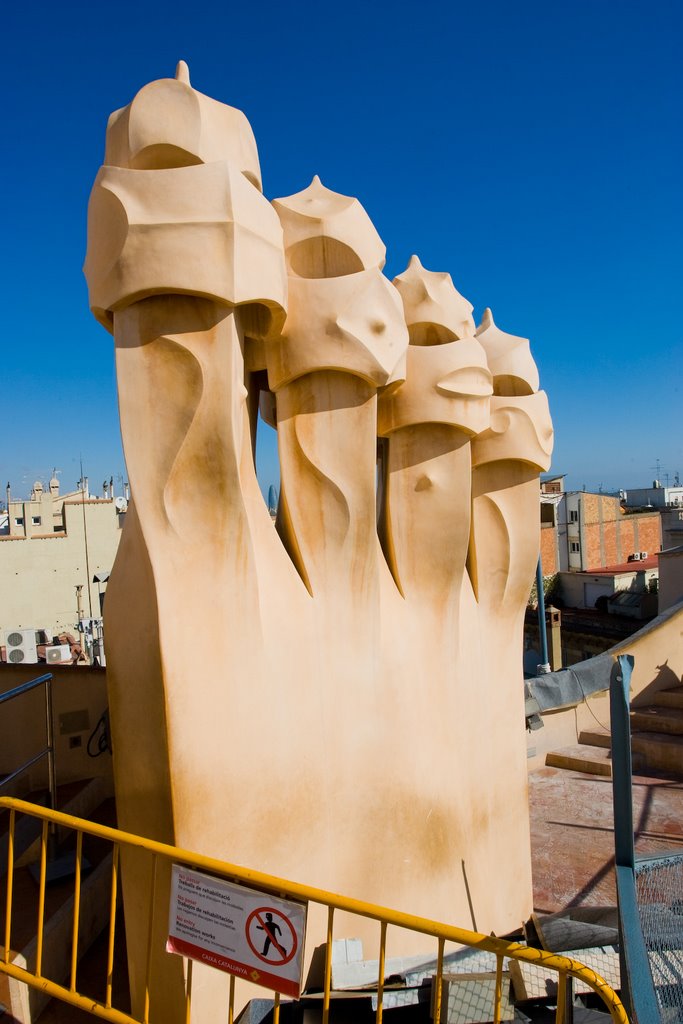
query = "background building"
x=56 y=552
x=655 y=496
x=581 y=531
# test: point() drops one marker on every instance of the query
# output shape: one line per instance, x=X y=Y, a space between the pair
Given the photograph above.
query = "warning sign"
x=242 y=931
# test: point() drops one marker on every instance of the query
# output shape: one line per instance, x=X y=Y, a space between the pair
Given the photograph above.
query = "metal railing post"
x=544 y=667
x=51 y=771
x=48 y=751
x=637 y=989
x=50 y=731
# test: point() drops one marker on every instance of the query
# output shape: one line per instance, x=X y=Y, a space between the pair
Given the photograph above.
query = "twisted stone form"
x=338 y=699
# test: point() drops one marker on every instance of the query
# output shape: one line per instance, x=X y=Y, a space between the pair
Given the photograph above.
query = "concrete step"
x=596 y=737
x=657 y=719
x=672 y=698
x=25 y=1005
x=601 y=738
x=590 y=760
x=77 y=798
x=660 y=752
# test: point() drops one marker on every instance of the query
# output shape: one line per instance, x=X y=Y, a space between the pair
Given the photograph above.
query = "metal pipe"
x=50 y=733
x=380 y=972
x=231 y=1000
x=542 y=628
x=40 y=927
x=51 y=773
x=620 y=721
x=438 y=982
x=561 y=998
x=638 y=991
x=10 y=883
x=77 y=912
x=188 y=993
x=112 y=924
x=499 y=989
x=327 y=984
x=150 y=938
x=85 y=539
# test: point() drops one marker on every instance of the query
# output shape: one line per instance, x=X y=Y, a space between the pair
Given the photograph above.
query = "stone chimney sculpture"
x=338 y=700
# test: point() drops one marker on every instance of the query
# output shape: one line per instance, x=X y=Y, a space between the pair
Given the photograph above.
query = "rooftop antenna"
x=85 y=539
x=657 y=468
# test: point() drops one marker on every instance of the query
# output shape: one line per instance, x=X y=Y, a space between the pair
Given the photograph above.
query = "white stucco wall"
x=40 y=573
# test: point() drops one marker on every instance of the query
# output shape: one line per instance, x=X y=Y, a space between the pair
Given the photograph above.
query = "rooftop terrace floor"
x=572 y=839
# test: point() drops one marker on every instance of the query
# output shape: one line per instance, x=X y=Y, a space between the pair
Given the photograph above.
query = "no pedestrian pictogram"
x=271 y=936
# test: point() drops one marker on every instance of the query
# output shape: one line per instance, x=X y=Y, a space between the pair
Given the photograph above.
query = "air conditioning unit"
x=20 y=645
x=643 y=555
x=57 y=654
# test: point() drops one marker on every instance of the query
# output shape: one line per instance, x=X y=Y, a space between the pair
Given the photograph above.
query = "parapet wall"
x=79 y=699
x=658 y=655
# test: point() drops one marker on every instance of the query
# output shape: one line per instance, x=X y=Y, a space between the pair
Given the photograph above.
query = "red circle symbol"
x=277 y=936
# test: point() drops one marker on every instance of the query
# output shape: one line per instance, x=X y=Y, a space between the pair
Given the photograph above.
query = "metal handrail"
x=565 y=967
x=49 y=749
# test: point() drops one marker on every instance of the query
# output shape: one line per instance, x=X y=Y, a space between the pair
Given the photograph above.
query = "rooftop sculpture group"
x=337 y=700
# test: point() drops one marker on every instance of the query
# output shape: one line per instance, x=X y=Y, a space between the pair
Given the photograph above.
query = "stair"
x=656 y=740
x=583 y=757
x=88 y=799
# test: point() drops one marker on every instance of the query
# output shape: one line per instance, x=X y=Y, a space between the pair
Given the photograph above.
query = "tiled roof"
x=651 y=562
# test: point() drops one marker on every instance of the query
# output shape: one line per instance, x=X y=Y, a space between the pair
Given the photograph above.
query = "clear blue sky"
x=532 y=149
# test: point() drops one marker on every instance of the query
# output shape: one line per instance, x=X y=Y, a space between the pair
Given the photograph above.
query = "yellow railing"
x=564 y=966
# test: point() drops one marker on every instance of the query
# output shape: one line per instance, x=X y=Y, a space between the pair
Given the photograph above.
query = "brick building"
x=581 y=531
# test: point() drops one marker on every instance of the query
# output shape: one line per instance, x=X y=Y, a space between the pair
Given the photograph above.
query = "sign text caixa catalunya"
x=247 y=933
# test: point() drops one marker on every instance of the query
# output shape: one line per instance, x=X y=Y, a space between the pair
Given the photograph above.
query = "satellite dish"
x=121 y=503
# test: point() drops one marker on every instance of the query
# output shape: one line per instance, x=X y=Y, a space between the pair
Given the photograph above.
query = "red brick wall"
x=592 y=554
x=611 y=534
x=649 y=532
x=621 y=537
x=621 y=534
x=627 y=537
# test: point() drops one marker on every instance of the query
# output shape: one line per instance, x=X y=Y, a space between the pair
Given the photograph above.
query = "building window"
x=18 y=520
x=574 y=516
x=36 y=520
x=574 y=547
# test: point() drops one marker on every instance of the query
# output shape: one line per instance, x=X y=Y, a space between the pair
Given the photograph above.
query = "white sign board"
x=242 y=931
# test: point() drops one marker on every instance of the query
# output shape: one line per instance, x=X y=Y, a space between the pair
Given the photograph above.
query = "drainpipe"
x=544 y=667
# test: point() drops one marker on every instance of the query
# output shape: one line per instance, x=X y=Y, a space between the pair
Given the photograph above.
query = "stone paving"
x=572 y=840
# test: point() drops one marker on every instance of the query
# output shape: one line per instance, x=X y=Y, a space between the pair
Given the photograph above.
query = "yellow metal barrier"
x=564 y=966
